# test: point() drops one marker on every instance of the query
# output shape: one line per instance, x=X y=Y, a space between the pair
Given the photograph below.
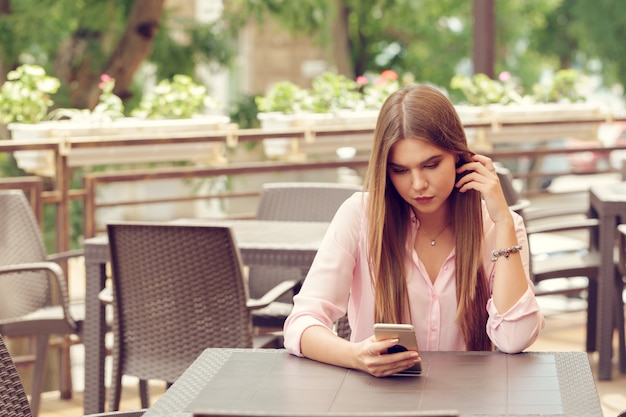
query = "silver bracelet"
x=496 y=253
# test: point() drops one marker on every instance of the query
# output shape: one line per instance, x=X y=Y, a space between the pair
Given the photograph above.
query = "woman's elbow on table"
x=519 y=336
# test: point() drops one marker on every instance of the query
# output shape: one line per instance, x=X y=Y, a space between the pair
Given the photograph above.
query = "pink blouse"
x=339 y=281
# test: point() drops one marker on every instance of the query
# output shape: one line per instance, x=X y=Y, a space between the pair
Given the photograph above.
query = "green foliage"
x=310 y=17
x=333 y=91
x=566 y=86
x=8 y=166
x=25 y=96
x=180 y=98
x=480 y=90
x=109 y=106
x=432 y=39
x=285 y=97
x=427 y=38
x=244 y=112
x=207 y=43
x=76 y=37
x=330 y=92
x=602 y=34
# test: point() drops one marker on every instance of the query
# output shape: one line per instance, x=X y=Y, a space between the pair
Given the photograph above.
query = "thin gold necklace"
x=433 y=240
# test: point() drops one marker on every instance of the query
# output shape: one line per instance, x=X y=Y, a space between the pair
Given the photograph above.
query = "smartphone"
x=405 y=333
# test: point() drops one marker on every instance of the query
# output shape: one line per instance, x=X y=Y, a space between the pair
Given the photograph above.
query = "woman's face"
x=423 y=174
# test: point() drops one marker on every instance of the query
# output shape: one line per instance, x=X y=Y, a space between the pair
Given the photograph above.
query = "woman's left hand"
x=480 y=175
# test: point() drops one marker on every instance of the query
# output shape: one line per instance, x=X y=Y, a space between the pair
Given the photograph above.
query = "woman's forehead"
x=414 y=150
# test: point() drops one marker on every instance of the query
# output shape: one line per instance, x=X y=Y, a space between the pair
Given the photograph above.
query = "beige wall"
x=273 y=55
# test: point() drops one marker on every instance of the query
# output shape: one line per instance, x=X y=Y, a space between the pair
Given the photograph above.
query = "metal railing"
x=59 y=192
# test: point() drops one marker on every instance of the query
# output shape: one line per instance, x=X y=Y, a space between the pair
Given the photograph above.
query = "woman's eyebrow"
x=427 y=161
x=431 y=159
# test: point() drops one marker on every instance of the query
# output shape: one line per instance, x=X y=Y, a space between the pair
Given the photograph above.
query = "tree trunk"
x=341 y=44
x=74 y=62
x=134 y=46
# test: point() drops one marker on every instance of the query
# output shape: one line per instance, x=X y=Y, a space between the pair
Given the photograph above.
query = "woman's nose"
x=419 y=181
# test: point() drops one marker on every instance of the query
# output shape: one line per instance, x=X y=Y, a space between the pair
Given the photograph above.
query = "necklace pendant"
x=432 y=242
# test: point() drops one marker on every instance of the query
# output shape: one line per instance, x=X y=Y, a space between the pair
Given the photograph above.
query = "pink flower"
x=104 y=79
x=504 y=76
x=361 y=80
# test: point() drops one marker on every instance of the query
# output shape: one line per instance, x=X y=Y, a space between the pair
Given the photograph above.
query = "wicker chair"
x=620 y=283
x=292 y=201
x=576 y=260
x=177 y=290
x=29 y=282
x=13 y=399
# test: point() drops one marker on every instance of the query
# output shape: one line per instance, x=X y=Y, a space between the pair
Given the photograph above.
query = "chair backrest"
x=21 y=242
x=13 y=399
x=297 y=201
x=506 y=182
x=302 y=201
x=621 y=244
x=178 y=289
x=294 y=201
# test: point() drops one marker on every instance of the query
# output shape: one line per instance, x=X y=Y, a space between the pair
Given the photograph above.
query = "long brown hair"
x=411 y=112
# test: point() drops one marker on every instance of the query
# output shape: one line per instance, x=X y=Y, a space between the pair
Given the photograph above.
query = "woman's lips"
x=423 y=200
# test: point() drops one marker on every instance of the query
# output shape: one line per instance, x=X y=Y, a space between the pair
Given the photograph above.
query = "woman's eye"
x=432 y=166
x=398 y=170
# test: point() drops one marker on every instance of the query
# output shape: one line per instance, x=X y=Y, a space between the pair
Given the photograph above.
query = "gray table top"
x=267 y=381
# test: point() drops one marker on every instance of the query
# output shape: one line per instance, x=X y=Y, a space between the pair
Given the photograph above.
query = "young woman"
x=431 y=242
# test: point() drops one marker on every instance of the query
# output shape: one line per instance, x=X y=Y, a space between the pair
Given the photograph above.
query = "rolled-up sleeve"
x=517 y=328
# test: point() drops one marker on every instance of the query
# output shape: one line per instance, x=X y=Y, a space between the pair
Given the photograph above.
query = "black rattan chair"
x=13 y=399
x=30 y=283
x=293 y=201
x=177 y=290
x=561 y=262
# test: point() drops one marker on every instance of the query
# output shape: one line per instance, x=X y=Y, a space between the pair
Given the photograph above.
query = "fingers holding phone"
x=400 y=338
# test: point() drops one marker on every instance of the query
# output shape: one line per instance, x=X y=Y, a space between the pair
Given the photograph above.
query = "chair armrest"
x=57 y=273
x=531 y=214
x=519 y=206
x=272 y=295
x=106 y=296
x=563 y=226
x=63 y=256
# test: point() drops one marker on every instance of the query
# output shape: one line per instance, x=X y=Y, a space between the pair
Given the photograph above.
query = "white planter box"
x=559 y=113
x=42 y=163
x=285 y=148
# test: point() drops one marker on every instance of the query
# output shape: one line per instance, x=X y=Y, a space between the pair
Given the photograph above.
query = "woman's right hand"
x=372 y=357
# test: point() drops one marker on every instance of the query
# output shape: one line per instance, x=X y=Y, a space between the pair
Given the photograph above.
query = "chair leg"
x=592 y=314
x=65 y=371
x=619 y=323
x=40 y=369
x=115 y=394
x=143 y=393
